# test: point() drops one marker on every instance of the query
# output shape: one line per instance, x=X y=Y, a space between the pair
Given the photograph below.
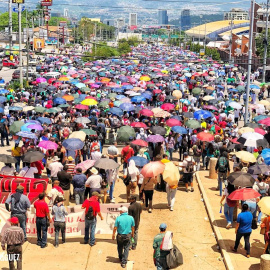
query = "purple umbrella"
x=35 y=127
x=155 y=138
x=127 y=107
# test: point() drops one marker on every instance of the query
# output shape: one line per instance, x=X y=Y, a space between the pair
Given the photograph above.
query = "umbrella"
x=89 y=132
x=48 y=145
x=235 y=105
x=245 y=130
x=245 y=156
x=146 y=112
x=205 y=137
x=116 y=111
x=35 y=126
x=138 y=125
x=265 y=121
x=188 y=114
x=139 y=161
x=73 y=144
x=167 y=106
x=158 y=130
x=7 y=158
x=78 y=134
x=82 y=120
x=152 y=169
x=260 y=117
x=27 y=134
x=127 y=107
x=253 y=139
x=171 y=174
x=140 y=143
x=244 y=194
x=192 y=124
x=196 y=91
x=173 y=122
x=202 y=114
x=251 y=125
x=89 y=102
x=16 y=127
x=106 y=164
x=138 y=99
x=180 y=130
x=124 y=133
x=44 y=120
x=264 y=205
x=259 y=169
x=155 y=138
x=241 y=179
x=15 y=108
x=33 y=156
x=85 y=165
x=177 y=94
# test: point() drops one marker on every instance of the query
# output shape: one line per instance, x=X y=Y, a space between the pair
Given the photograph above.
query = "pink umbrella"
x=260 y=131
x=152 y=169
x=167 y=107
x=140 y=143
x=48 y=145
x=57 y=84
x=157 y=91
x=85 y=165
x=173 y=122
x=90 y=97
x=265 y=121
x=138 y=125
x=146 y=112
x=95 y=85
x=41 y=80
x=81 y=107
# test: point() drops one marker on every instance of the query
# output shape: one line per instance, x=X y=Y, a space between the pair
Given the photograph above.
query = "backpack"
x=190 y=166
x=222 y=164
x=216 y=153
x=262 y=190
x=90 y=213
x=2 y=127
x=174 y=258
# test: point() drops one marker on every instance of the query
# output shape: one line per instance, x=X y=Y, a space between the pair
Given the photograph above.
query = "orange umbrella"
x=68 y=97
x=64 y=79
x=152 y=169
x=145 y=78
x=105 y=80
x=206 y=137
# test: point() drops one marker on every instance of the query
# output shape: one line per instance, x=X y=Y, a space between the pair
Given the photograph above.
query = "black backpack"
x=90 y=213
x=2 y=127
x=174 y=258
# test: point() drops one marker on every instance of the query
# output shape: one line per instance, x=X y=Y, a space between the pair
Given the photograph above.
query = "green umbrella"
x=193 y=124
x=39 y=109
x=77 y=101
x=124 y=133
x=76 y=95
x=103 y=103
x=51 y=110
x=196 y=91
x=85 y=89
x=16 y=127
x=89 y=132
x=241 y=88
x=64 y=106
x=112 y=95
x=58 y=109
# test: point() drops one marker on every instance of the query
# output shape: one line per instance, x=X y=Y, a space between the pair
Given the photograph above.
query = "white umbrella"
x=235 y=105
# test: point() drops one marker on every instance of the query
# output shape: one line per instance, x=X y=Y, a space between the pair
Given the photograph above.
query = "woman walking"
x=148 y=189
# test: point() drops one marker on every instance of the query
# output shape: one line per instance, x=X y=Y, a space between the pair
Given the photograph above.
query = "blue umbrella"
x=33 y=122
x=139 y=161
x=73 y=144
x=44 y=120
x=25 y=127
x=127 y=107
x=220 y=86
x=117 y=90
x=15 y=108
x=1 y=110
x=27 y=134
x=3 y=99
x=185 y=101
x=147 y=96
x=120 y=96
x=180 y=130
x=129 y=87
x=74 y=81
x=253 y=86
x=4 y=91
x=116 y=111
x=202 y=114
x=82 y=96
x=260 y=117
x=177 y=117
x=138 y=99
x=117 y=103
x=58 y=101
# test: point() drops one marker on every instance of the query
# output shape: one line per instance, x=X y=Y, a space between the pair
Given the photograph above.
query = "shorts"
x=188 y=178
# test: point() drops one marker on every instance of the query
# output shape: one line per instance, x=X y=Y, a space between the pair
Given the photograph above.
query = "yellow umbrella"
x=89 y=102
x=78 y=135
x=165 y=71
x=245 y=156
x=171 y=174
x=145 y=78
x=245 y=130
x=264 y=205
x=177 y=94
x=63 y=79
x=206 y=98
x=156 y=110
x=28 y=108
x=264 y=102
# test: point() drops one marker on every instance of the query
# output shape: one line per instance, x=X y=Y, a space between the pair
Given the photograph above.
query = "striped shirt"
x=13 y=236
x=71 y=167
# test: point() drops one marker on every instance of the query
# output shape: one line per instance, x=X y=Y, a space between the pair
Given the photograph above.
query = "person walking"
x=188 y=167
x=59 y=212
x=222 y=168
x=93 y=182
x=65 y=179
x=125 y=227
x=243 y=229
x=134 y=173
x=92 y=209
x=13 y=237
x=148 y=188
x=135 y=210
x=55 y=167
x=160 y=255
x=19 y=205
x=171 y=192
x=126 y=153
x=78 y=183
x=42 y=219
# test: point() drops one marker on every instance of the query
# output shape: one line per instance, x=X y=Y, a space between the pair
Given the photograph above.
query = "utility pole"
x=27 y=47
x=10 y=26
x=249 y=57
x=230 y=56
x=200 y=30
x=265 y=42
x=204 y=45
x=20 y=44
x=95 y=33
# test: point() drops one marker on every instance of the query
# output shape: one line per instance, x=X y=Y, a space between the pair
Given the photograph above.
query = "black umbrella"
x=188 y=114
x=259 y=169
x=32 y=156
x=241 y=179
x=106 y=164
x=158 y=130
x=7 y=158
x=252 y=125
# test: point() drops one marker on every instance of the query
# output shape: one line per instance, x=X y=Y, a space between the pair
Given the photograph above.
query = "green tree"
x=260 y=44
x=54 y=21
x=124 y=48
x=4 y=18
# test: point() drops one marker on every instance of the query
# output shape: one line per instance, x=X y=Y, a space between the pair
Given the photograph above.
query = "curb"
x=225 y=254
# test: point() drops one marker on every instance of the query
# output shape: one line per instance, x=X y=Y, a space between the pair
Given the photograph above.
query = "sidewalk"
x=238 y=260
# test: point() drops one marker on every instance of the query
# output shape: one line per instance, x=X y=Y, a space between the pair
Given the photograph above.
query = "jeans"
x=246 y=237
x=161 y=263
x=4 y=135
x=228 y=212
x=87 y=193
x=60 y=226
x=134 y=244
x=123 y=243
x=17 y=164
x=182 y=150
x=198 y=162
x=203 y=158
x=111 y=190
x=90 y=225
x=171 y=195
x=148 y=194
x=79 y=196
x=17 y=251
x=171 y=152
x=22 y=220
x=222 y=177
x=41 y=224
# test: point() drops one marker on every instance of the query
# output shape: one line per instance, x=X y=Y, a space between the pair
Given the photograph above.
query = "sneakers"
x=171 y=209
x=187 y=190
x=123 y=265
x=192 y=189
x=112 y=200
x=149 y=210
x=229 y=225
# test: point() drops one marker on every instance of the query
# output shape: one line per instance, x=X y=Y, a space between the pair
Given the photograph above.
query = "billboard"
x=18 y=1
x=46 y=3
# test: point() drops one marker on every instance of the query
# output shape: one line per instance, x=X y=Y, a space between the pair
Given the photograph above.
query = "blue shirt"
x=245 y=220
x=60 y=213
x=124 y=223
x=78 y=182
x=21 y=206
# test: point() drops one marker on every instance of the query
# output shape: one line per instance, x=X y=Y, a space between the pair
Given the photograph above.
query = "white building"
x=133 y=19
x=120 y=23
x=236 y=14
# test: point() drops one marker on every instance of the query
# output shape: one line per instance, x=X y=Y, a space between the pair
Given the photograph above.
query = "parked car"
x=8 y=63
x=16 y=74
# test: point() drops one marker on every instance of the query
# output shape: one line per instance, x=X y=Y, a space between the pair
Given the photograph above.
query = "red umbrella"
x=138 y=125
x=173 y=122
x=57 y=84
x=235 y=141
x=260 y=130
x=244 y=194
x=167 y=106
x=81 y=107
x=146 y=112
x=206 y=137
x=210 y=107
x=157 y=91
x=51 y=80
x=90 y=97
x=265 y=121
x=152 y=169
x=140 y=143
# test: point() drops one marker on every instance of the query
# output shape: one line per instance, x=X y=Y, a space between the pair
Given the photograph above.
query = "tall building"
x=185 y=19
x=120 y=23
x=133 y=19
x=236 y=14
x=65 y=12
x=162 y=17
x=109 y=22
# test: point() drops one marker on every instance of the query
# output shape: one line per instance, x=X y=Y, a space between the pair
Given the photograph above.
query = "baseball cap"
x=163 y=226
x=14 y=220
x=123 y=209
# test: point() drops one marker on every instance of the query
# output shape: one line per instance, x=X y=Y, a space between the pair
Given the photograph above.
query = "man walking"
x=124 y=225
x=13 y=237
x=19 y=205
x=92 y=209
x=65 y=179
x=78 y=183
x=42 y=216
x=222 y=168
x=135 y=210
x=55 y=167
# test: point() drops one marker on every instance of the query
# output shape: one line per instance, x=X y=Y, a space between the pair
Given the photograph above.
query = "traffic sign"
x=18 y=1
x=47 y=18
x=15 y=9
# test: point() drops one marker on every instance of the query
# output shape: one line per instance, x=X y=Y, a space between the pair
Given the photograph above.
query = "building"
x=261 y=22
x=109 y=22
x=185 y=19
x=65 y=12
x=133 y=19
x=236 y=14
x=120 y=23
x=162 y=17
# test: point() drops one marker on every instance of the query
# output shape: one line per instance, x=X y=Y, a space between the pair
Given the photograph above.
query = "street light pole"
x=265 y=42
x=230 y=56
x=249 y=57
x=20 y=45
x=10 y=26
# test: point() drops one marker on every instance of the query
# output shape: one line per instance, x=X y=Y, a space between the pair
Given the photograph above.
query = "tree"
x=260 y=44
x=4 y=18
x=124 y=48
x=54 y=21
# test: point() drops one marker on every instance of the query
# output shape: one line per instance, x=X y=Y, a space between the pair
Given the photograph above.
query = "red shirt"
x=42 y=208
x=92 y=202
x=38 y=164
x=223 y=124
x=127 y=153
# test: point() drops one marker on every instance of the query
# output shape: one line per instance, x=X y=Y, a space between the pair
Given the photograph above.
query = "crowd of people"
x=80 y=121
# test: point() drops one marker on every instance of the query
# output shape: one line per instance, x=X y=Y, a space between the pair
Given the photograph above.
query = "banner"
x=32 y=186
x=75 y=223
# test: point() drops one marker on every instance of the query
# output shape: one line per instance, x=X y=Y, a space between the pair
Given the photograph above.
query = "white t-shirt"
x=185 y=163
x=94 y=181
x=55 y=167
x=28 y=172
x=6 y=170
